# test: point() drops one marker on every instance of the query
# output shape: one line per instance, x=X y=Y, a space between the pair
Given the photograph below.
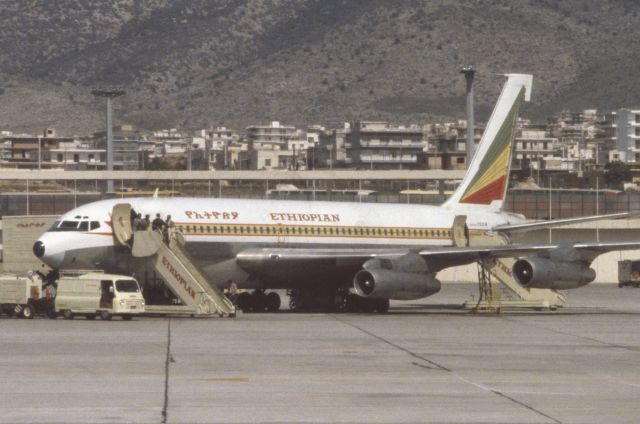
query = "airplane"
x=343 y=256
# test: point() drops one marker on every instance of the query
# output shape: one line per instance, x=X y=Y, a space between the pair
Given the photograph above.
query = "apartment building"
x=126 y=141
x=627 y=136
x=532 y=146
x=380 y=145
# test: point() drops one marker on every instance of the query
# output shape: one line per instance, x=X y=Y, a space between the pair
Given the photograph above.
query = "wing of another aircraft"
x=528 y=226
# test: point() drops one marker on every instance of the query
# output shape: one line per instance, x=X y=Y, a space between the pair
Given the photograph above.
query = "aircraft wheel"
x=67 y=314
x=382 y=306
x=295 y=301
x=244 y=302
x=368 y=306
x=352 y=303
x=340 y=303
x=273 y=302
x=27 y=312
x=105 y=316
x=258 y=301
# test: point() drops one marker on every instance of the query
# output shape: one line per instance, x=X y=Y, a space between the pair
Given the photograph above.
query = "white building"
x=627 y=135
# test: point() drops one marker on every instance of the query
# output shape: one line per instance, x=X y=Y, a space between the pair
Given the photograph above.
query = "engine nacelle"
x=385 y=284
x=404 y=278
x=542 y=273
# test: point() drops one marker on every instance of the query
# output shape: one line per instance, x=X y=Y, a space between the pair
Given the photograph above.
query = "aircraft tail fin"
x=486 y=180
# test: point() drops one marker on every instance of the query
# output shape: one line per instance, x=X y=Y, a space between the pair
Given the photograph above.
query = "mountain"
x=235 y=62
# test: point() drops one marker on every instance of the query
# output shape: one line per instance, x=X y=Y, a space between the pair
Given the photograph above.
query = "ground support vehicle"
x=628 y=273
x=24 y=295
x=101 y=295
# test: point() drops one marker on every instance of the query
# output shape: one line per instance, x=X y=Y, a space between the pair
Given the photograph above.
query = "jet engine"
x=542 y=273
x=403 y=278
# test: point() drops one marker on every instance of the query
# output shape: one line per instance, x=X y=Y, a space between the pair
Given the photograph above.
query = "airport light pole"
x=39 y=153
x=109 y=94
x=469 y=74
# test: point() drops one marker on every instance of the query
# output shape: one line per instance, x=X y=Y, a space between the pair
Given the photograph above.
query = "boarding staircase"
x=512 y=295
x=176 y=269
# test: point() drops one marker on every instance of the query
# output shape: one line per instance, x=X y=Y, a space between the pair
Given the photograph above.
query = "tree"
x=617 y=173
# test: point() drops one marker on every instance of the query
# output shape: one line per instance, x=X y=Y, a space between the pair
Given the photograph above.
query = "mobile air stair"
x=506 y=293
x=172 y=263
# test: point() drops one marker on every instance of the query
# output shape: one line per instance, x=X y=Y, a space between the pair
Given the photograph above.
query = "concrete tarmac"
x=425 y=362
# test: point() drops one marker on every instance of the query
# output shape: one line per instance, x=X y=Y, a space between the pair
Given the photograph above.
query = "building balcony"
x=392 y=144
x=388 y=159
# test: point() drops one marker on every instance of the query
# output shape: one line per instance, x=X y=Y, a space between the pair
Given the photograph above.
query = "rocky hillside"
x=235 y=62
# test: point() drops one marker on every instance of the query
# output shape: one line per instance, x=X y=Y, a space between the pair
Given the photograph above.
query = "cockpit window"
x=66 y=226
x=74 y=226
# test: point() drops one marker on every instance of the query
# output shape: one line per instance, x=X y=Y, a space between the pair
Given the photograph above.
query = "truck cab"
x=96 y=294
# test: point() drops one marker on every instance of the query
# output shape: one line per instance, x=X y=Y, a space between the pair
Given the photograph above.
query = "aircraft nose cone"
x=38 y=249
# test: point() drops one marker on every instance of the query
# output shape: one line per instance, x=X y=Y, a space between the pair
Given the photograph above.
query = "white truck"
x=96 y=294
x=24 y=295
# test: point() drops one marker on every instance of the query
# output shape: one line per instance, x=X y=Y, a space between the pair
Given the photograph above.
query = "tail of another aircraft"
x=486 y=180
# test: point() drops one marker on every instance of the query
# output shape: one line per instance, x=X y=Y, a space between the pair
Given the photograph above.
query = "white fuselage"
x=215 y=230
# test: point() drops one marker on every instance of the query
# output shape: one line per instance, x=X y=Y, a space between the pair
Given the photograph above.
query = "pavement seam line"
x=577 y=336
x=390 y=343
x=443 y=368
x=167 y=361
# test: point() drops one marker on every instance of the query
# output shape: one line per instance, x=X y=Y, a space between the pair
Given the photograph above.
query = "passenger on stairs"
x=137 y=223
x=168 y=229
x=158 y=224
x=231 y=291
x=146 y=222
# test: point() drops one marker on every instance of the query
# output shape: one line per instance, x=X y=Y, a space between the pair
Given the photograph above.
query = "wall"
x=18 y=235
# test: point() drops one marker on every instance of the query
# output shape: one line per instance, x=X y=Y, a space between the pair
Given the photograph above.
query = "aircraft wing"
x=528 y=226
x=289 y=262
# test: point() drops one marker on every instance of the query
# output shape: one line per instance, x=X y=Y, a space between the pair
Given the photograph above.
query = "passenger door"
x=121 y=223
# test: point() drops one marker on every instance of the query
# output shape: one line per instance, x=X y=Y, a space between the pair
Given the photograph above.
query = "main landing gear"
x=258 y=301
x=339 y=300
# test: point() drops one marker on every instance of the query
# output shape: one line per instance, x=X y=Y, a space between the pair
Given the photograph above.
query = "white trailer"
x=24 y=296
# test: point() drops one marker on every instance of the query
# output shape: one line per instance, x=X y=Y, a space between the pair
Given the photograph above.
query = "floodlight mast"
x=109 y=93
x=469 y=74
